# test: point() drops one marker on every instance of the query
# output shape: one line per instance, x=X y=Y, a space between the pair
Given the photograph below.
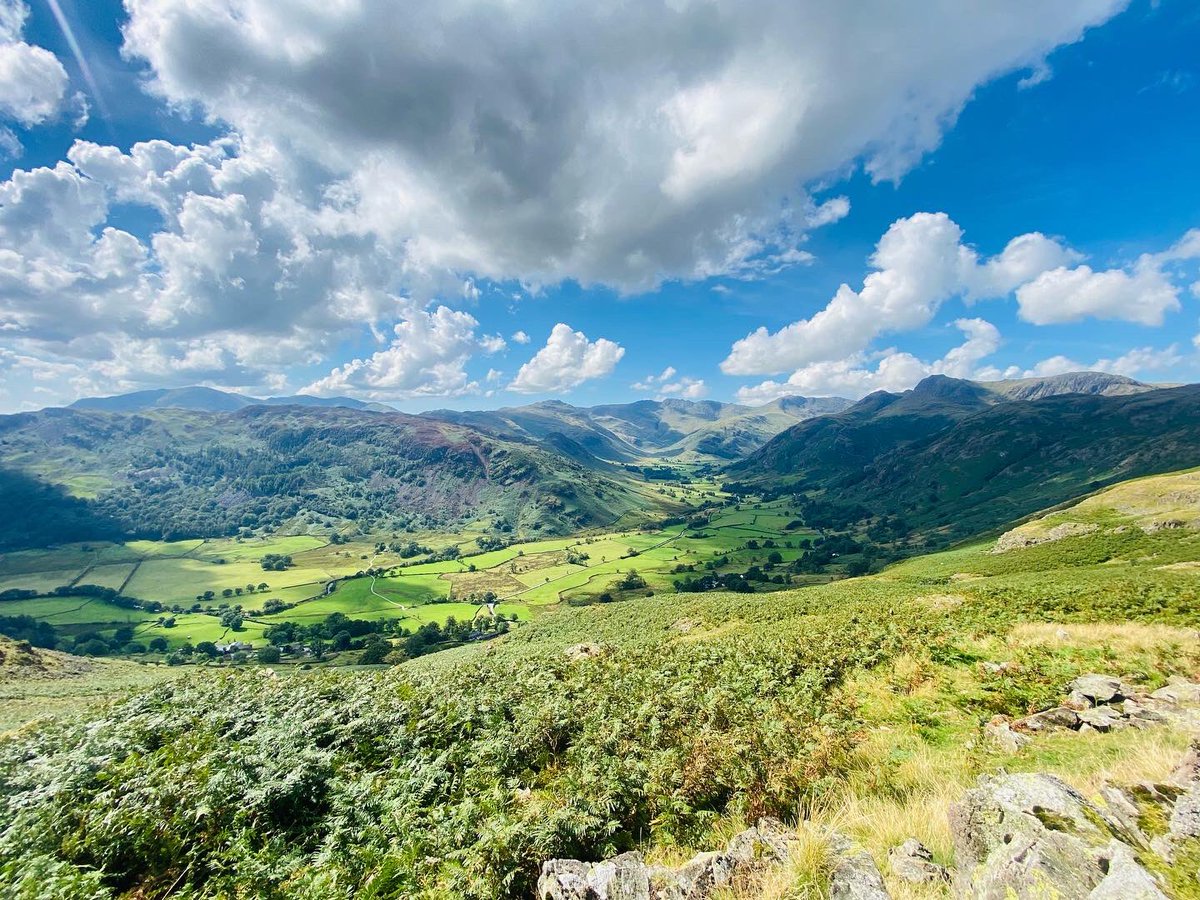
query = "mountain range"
x=948 y=458
x=952 y=458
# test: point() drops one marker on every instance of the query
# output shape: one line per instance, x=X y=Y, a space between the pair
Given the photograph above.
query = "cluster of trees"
x=276 y=562
x=431 y=636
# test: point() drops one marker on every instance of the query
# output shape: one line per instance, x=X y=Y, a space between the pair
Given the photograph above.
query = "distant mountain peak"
x=205 y=399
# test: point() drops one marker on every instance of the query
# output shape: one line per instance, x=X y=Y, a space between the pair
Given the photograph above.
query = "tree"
x=268 y=654
x=208 y=648
x=158 y=645
x=373 y=654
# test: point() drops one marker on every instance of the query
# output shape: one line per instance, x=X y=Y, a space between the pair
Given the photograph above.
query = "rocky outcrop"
x=854 y=875
x=1024 y=836
x=627 y=877
x=1030 y=835
x=1106 y=703
x=1027 y=536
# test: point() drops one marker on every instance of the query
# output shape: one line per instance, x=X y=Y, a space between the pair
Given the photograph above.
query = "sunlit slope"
x=643 y=723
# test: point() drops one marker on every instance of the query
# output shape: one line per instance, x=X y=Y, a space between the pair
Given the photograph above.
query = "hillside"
x=178 y=473
x=663 y=724
x=953 y=458
x=683 y=431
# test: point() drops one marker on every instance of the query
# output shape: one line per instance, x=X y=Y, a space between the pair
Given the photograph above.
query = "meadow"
x=194 y=581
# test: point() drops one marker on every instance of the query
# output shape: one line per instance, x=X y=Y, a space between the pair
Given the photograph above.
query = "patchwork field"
x=195 y=581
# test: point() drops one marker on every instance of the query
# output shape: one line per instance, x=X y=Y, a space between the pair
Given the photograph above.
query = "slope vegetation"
x=953 y=458
x=170 y=473
x=657 y=723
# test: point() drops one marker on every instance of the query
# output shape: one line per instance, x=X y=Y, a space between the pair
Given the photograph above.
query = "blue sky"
x=601 y=204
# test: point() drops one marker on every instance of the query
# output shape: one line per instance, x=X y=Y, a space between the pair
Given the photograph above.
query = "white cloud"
x=666 y=384
x=567 y=360
x=426 y=358
x=519 y=337
x=33 y=82
x=1039 y=74
x=1143 y=295
x=894 y=370
x=618 y=149
x=920 y=263
x=1131 y=364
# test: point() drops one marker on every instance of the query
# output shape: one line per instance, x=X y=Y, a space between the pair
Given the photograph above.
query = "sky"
x=478 y=204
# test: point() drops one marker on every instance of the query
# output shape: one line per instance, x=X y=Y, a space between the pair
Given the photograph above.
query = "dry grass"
x=1123 y=638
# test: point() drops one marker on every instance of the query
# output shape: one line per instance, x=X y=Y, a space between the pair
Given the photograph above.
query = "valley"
x=843 y=630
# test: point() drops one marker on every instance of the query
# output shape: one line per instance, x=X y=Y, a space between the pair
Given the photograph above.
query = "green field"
x=531 y=575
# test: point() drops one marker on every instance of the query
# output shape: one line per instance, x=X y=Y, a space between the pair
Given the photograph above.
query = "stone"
x=695 y=879
x=1188 y=771
x=913 y=862
x=769 y=839
x=623 y=877
x=564 y=879
x=1025 y=836
x=1058 y=717
x=1185 y=817
x=583 y=651
x=1000 y=732
x=1141 y=713
x=1102 y=718
x=1077 y=701
x=1125 y=878
x=1098 y=688
x=1178 y=692
x=855 y=875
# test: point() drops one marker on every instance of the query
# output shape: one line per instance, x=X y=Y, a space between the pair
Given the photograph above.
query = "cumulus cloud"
x=33 y=82
x=519 y=337
x=893 y=370
x=920 y=263
x=625 y=149
x=1143 y=295
x=1131 y=364
x=567 y=360
x=427 y=357
x=666 y=384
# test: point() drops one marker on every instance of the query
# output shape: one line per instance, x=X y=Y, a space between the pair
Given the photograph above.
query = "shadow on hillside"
x=37 y=514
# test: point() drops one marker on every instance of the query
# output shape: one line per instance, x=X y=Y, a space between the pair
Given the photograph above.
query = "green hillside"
x=952 y=458
x=659 y=723
x=173 y=473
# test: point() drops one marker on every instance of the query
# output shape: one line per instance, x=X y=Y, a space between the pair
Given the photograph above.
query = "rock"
x=583 y=651
x=1027 y=836
x=564 y=879
x=913 y=862
x=769 y=839
x=623 y=877
x=1122 y=814
x=1058 y=717
x=1188 y=771
x=1178 y=692
x=1125 y=878
x=1077 y=701
x=1102 y=718
x=694 y=879
x=1142 y=713
x=1185 y=818
x=855 y=875
x=1000 y=732
x=1098 y=688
